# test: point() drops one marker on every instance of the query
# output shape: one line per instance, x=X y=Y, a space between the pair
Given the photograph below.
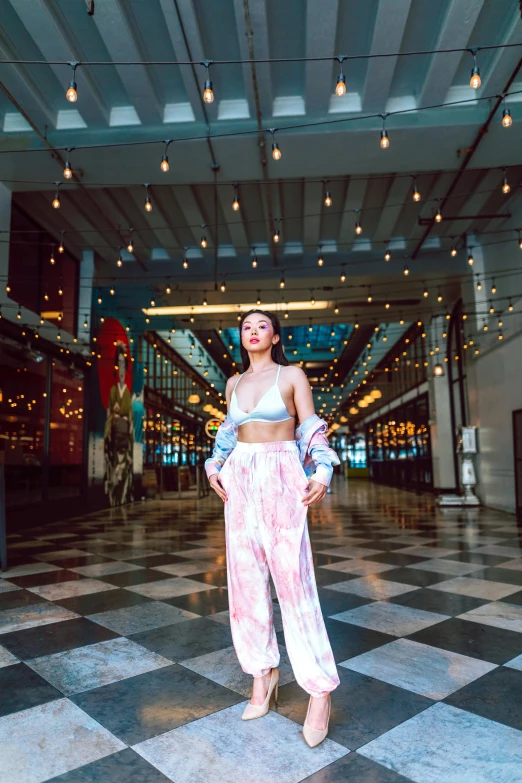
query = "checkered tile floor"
x=117 y=664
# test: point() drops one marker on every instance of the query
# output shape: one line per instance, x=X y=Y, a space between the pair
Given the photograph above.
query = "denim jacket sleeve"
x=226 y=439
x=317 y=457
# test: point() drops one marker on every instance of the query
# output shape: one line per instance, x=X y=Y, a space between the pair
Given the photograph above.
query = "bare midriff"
x=266 y=432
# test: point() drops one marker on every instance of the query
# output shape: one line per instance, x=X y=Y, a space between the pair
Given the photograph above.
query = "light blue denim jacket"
x=317 y=457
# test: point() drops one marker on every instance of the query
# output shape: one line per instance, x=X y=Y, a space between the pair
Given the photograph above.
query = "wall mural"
x=116 y=444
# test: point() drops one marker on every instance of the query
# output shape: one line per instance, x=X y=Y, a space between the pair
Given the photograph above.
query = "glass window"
x=22 y=419
x=66 y=450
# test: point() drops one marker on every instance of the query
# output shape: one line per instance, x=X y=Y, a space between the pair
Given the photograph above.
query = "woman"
x=259 y=468
x=119 y=436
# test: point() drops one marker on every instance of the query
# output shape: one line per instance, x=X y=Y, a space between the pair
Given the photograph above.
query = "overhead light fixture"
x=453 y=251
x=475 y=80
x=67 y=172
x=327 y=199
x=471 y=260
x=164 y=165
x=223 y=309
x=235 y=203
x=72 y=90
x=506 y=187
x=385 y=141
x=130 y=246
x=276 y=152
x=61 y=247
x=148 y=202
x=438 y=216
x=416 y=194
x=208 y=92
x=340 y=87
x=406 y=270
x=507 y=120
x=56 y=199
x=387 y=255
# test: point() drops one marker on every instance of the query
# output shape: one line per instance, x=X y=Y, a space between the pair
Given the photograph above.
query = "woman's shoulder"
x=293 y=373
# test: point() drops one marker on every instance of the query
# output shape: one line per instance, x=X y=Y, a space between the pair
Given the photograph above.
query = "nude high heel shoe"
x=314 y=737
x=258 y=710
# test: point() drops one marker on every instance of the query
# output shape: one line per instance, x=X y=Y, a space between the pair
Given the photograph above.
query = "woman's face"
x=121 y=367
x=257 y=333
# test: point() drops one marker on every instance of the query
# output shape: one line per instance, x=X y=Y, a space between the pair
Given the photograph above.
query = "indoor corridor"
x=117 y=664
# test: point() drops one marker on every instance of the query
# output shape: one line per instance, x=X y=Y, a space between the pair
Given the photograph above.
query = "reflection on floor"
x=117 y=664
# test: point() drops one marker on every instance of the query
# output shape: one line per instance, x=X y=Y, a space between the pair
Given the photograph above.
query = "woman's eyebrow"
x=259 y=322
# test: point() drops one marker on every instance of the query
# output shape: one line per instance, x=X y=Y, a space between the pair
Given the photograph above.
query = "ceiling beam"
x=388 y=33
x=321 y=27
x=455 y=33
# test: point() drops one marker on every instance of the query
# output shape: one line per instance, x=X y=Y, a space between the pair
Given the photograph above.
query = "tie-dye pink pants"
x=267 y=533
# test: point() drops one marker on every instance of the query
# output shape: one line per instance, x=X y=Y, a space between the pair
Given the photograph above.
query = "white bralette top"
x=271 y=407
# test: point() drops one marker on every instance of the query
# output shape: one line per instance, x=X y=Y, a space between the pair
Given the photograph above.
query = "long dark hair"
x=278 y=354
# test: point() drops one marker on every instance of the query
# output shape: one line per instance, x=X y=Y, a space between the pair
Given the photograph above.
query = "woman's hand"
x=316 y=493
x=216 y=485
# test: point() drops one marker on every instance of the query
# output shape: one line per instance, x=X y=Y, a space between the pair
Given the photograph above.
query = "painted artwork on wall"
x=116 y=444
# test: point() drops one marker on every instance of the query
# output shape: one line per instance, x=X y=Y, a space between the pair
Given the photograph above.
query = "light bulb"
x=153 y=302
x=276 y=235
x=130 y=247
x=203 y=242
x=453 y=251
x=168 y=289
x=258 y=300
x=510 y=306
x=507 y=120
x=506 y=187
x=479 y=286
x=276 y=152
x=406 y=270
x=425 y=293
x=56 y=202
x=286 y=314
x=67 y=172
x=148 y=204
x=358 y=228
x=327 y=199
x=72 y=92
x=119 y=262
x=438 y=216
x=340 y=87
x=61 y=247
x=205 y=303
x=185 y=263
x=111 y=291
x=343 y=277
x=471 y=260
x=312 y=300
x=164 y=165
x=475 y=80
x=282 y=283
x=387 y=255
x=385 y=141
x=60 y=291
x=223 y=286
x=320 y=260
x=439 y=297
x=235 y=205
x=370 y=298
x=51 y=260
x=493 y=288
x=254 y=262
x=416 y=194
x=208 y=93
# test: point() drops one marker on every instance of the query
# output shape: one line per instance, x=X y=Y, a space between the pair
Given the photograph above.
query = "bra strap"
x=236 y=383
x=277 y=376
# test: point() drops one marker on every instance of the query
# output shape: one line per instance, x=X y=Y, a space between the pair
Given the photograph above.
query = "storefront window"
x=66 y=431
x=22 y=420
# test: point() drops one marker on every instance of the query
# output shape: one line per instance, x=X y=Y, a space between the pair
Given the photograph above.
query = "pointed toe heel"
x=259 y=710
x=314 y=737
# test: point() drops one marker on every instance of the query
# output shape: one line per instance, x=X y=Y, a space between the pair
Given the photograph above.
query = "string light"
x=19 y=313
x=493 y=287
x=416 y=194
x=148 y=202
x=328 y=199
x=60 y=290
x=343 y=276
x=185 y=263
x=85 y=323
x=312 y=299
x=208 y=92
x=491 y=308
x=510 y=306
x=164 y=165
x=387 y=255
x=277 y=235
x=59 y=335
x=453 y=251
x=500 y=336
x=235 y=203
x=425 y=293
x=223 y=287
x=320 y=259
x=203 y=241
x=479 y=284
x=519 y=240
x=286 y=313
x=119 y=262
x=500 y=322
x=205 y=302
x=385 y=141
x=52 y=259
x=152 y=302
x=61 y=247
x=67 y=172
x=168 y=289
x=401 y=320
x=130 y=246
x=406 y=270
x=72 y=90
x=507 y=120
x=471 y=260
x=340 y=87
x=276 y=152
x=56 y=199
x=506 y=187
x=438 y=216
x=439 y=296
x=282 y=281
x=111 y=290
x=475 y=80
x=358 y=228
x=370 y=297
x=258 y=300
